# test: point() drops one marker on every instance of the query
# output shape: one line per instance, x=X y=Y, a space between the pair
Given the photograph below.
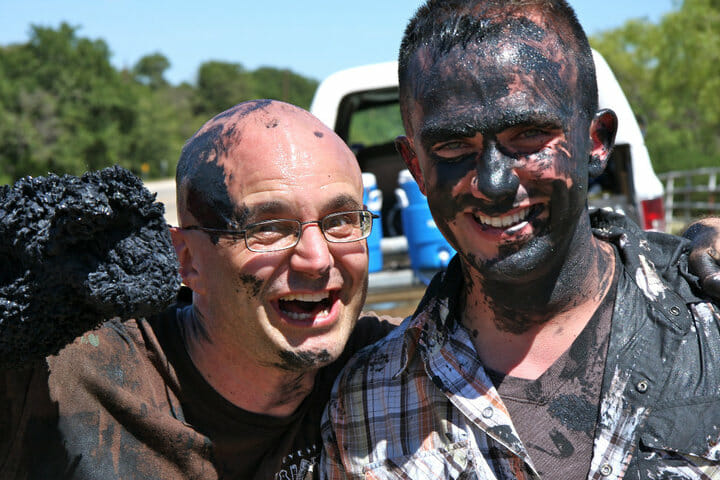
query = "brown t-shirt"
x=126 y=402
x=555 y=415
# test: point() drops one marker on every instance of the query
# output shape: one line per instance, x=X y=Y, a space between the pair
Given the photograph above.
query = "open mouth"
x=306 y=306
x=511 y=222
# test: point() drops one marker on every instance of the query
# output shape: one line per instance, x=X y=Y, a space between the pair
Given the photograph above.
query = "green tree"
x=283 y=85
x=670 y=72
x=220 y=85
x=150 y=70
x=65 y=109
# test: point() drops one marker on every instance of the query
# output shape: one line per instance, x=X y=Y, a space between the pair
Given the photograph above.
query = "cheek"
x=447 y=184
x=248 y=272
x=550 y=166
x=352 y=258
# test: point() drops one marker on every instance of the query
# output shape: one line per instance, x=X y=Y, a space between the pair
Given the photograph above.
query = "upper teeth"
x=305 y=297
x=505 y=220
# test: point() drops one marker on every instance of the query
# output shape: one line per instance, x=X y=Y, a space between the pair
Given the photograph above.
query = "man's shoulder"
x=127 y=348
x=382 y=359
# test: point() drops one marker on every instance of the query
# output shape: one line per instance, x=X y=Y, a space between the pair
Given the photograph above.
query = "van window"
x=375 y=125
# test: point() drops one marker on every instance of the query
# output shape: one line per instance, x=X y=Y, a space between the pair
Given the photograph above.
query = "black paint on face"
x=303 y=361
x=251 y=283
x=319 y=134
x=516 y=79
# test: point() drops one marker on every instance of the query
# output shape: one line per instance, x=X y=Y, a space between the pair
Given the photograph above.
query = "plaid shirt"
x=419 y=404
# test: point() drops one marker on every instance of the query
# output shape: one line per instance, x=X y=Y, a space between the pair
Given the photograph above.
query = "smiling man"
x=549 y=348
x=231 y=381
x=272 y=246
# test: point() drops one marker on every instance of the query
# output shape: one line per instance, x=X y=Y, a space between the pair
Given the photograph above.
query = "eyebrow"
x=455 y=127
x=277 y=207
x=435 y=133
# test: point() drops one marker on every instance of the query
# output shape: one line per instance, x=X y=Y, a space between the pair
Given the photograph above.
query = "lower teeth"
x=517 y=227
x=306 y=316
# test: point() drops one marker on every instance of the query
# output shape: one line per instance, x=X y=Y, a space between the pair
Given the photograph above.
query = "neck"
x=521 y=329
x=238 y=376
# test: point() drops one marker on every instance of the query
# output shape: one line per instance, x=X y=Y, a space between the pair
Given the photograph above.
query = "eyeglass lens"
x=337 y=227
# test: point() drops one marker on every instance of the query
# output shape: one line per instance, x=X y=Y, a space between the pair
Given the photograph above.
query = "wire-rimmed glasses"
x=284 y=233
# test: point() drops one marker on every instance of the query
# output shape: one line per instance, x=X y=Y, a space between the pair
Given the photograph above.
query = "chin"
x=517 y=265
x=303 y=360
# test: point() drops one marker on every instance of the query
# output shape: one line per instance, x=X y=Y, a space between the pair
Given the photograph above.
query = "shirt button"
x=606 y=470
x=642 y=386
x=675 y=310
x=488 y=412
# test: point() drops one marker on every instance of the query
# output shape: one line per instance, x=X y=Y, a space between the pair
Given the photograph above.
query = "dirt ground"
x=396 y=303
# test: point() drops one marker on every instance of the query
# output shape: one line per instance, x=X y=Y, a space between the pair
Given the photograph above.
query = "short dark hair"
x=443 y=24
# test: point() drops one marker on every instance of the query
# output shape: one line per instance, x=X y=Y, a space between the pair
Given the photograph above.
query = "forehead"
x=517 y=64
x=278 y=161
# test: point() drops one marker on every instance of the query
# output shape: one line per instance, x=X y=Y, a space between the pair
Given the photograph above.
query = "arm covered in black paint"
x=704 y=258
x=75 y=251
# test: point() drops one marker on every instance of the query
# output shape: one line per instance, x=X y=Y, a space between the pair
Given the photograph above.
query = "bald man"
x=230 y=382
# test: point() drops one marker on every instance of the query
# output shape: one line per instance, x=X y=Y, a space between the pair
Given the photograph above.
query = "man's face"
x=293 y=308
x=500 y=149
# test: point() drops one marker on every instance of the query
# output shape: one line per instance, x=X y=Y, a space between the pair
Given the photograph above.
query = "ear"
x=188 y=272
x=407 y=152
x=602 y=135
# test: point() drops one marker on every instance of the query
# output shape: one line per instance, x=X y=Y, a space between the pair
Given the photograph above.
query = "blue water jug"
x=372 y=198
x=428 y=249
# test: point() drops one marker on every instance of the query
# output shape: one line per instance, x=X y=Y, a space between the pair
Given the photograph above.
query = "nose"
x=312 y=253
x=495 y=179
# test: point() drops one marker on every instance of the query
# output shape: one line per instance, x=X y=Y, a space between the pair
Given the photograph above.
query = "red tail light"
x=653 y=214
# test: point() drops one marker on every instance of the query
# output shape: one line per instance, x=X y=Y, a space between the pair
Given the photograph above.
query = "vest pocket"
x=682 y=439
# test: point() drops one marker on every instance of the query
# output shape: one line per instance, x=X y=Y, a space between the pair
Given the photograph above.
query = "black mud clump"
x=75 y=251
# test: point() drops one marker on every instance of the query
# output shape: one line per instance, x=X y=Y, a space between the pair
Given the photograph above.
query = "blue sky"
x=314 y=37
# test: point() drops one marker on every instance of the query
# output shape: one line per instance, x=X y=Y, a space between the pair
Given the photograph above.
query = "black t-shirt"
x=248 y=445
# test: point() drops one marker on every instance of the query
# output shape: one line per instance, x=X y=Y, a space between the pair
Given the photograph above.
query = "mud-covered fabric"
x=420 y=405
x=126 y=402
x=74 y=252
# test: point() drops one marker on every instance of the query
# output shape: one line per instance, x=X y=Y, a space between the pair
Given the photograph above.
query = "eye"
x=528 y=140
x=270 y=232
x=342 y=225
x=451 y=150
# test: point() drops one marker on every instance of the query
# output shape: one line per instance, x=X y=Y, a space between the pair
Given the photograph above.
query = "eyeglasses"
x=281 y=234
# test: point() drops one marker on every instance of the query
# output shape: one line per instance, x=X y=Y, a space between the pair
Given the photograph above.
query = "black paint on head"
x=442 y=24
x=272 y=123
x=202 y=182
x=244 y=109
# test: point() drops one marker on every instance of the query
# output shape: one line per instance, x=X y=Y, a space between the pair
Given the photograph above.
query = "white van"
x=367 y=96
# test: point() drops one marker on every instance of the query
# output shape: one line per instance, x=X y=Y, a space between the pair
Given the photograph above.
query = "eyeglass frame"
x=243 y=233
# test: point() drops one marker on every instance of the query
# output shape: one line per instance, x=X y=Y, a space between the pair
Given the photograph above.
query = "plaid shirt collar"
x=436 y=317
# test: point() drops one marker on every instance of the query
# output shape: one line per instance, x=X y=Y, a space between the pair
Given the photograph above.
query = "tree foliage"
x=670 y=72
x=65 y=109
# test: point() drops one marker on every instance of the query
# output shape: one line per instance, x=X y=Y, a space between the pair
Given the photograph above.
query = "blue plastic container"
x=372 y=198
x=428 y=249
